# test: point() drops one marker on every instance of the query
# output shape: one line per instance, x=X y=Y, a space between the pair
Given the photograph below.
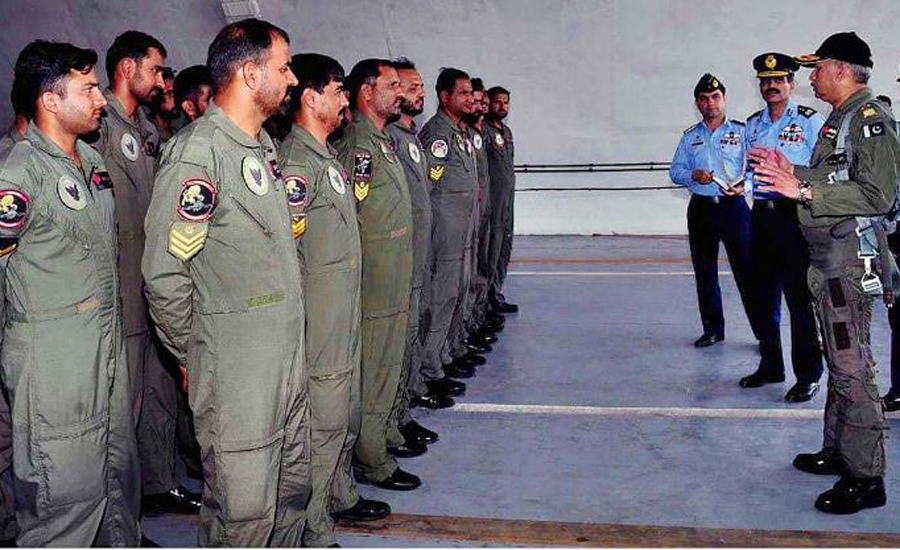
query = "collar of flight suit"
x=442 y=114
x=40 y=141
x=113 y=104
x=413 y=127
x=854 y=101
x=302 y=134
x=221 y=119
x=369 y=126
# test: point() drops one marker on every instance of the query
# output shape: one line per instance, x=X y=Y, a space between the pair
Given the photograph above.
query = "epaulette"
x=808 y=112
x=689 y=128
x=756 y=114
x=869 y=110
x=738 y=122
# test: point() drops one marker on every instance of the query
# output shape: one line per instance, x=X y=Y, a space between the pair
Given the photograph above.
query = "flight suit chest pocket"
x=251 y=214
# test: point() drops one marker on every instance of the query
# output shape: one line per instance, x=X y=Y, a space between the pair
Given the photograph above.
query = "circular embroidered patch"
x=70 y=193
x=197 y=200
x=476 y=141
x=439 y=149
x=129 y=146
x=414 y=153
x=388 y=153
x=254 y=176
x=337 y=180
x=295 y=187
x=13 y=208
x=498 y=139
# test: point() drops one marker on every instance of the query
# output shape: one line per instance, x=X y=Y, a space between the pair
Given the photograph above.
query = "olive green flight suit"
x=385 y=228
x=63 y=356
x=408 y=149
x=7 y=500
x=224 y=286
x=501 y=165
x=854 y=420
x=130 y=149
x=327 y=233
x=454 y=182
x=482 y=231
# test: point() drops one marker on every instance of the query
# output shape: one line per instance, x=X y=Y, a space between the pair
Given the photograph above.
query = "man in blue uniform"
x=780 y=254
x=709 y=159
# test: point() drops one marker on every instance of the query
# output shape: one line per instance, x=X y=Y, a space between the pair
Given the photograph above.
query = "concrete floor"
x=618 y=418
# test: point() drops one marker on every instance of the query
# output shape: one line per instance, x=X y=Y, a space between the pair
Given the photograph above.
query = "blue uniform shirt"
x=794 y=134
x=721 y=152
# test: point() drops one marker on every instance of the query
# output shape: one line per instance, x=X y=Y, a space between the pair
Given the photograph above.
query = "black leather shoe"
x=481 y=339
x=759 y=379
x=801 y=392
x=416 y=432
x=474 y=359
x=364 y=510
x=432 y=401
x=493 y=324
x=852 y=494
x=409 y=449
x=506 y=307
x=176 y=501
x=826 y=462
x=472 y=348
x=707 y=340
x=399 y=481
x=147 y=543
x=459 y=369
x=891 y=402
x=445 y=386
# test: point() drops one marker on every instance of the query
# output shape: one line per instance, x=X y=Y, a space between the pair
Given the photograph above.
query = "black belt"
x=773 y=204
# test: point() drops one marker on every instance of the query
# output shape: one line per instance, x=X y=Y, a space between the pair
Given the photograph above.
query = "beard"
x=408 y=107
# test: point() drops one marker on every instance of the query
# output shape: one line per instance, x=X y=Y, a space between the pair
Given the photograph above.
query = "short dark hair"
x=188 y=82
x=403 y=63
x=364 y=72
x=168 y=73
x=313 y=70
x=17 y=97
x=238 y=43
x=477 y=85
x=496 y=90
x=44 y=66
x=447 y=78
x=130 y=44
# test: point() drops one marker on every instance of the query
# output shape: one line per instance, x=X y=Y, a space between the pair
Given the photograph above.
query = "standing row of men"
x=824 y=198
x=306 y=295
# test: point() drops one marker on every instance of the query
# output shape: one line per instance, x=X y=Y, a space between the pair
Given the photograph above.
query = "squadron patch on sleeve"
x=295 y=187
x=197 y=200
x=873 y=130
x=101 y=180
x=13 y=209
x=437 y=172
x=187 y=239
x=439 y=149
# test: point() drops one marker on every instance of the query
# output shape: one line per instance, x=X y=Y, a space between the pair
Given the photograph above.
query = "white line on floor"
x=604 y=273
x=668 y=412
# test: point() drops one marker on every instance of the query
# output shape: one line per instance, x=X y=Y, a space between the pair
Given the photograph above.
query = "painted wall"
x=592 y=80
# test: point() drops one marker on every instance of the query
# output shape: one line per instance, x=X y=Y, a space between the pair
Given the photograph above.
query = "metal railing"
x=594 y=168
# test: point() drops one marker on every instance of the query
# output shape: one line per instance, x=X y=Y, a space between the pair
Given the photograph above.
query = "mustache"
x=775 y=90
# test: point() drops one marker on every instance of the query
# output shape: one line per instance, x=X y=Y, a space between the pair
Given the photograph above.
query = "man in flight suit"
x=323 y=219
x=780 y=255
x=385 y=226
x=224 y=286
x=453 y=178
x=193 y=91
x=851 y=182
x=129 y=143
x=63 y=357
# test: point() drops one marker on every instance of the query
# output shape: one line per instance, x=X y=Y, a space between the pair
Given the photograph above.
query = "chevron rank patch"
x=437 y=172
x=8 y=245
x=186 y=239
x=298 y=225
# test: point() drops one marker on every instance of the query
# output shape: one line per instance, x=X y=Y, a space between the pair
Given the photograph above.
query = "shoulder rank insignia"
x=738 y=122
x=437 y=172
x=187 y=239
x=806 y=111
x=689 y=128
x=868 y=111
x=295 y=187
x=101 y=180
x=197 y=200
x=13 y=209
x=754 y=115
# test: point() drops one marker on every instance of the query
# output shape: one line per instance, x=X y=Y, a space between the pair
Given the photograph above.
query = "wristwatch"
x=805 y=194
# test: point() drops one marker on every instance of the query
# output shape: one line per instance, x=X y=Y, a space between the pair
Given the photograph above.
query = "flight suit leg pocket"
x=72 y=462
x=248 y=474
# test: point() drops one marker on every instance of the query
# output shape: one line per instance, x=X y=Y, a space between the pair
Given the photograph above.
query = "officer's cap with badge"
x=843 y=46
x=707 y=85
x=774 y=65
